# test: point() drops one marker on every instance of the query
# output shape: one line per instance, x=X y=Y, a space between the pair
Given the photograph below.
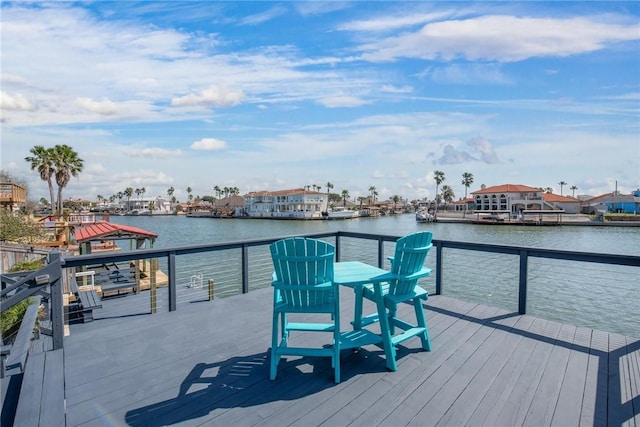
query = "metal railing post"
x=56 y=302
x=171 y=267
x=337 y=248
x=380 y=253
x=522 y=288
x=438 y=269
x=245 y=269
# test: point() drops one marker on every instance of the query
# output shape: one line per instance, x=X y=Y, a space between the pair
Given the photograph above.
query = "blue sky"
x=276 y=95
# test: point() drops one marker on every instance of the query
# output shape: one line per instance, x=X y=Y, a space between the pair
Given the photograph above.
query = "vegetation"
x=18 y=227
x=467 y=180
x=439 y=177
x=60 y=163
x=10 y=320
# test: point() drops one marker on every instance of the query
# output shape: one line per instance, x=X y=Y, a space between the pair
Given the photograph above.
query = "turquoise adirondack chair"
x=399 y=285
x=303 y=283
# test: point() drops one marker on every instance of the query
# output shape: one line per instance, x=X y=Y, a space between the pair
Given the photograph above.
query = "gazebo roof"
x=108 y=230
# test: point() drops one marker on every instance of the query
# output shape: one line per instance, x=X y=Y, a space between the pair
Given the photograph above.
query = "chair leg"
x=422 y=322
x=275 y=358
x=389 y=349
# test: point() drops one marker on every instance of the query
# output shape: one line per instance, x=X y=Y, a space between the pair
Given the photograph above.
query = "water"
x=599 y=296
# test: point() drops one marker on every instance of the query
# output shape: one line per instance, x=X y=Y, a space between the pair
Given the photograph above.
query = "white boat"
x=340 y=213
x=423 y=215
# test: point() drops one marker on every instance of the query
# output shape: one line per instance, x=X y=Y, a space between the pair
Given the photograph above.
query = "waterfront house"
x=615 y=202
x=569 y=204
x=296 y=203
x=513 y=199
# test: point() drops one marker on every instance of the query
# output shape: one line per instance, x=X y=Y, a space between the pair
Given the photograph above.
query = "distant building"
x=12 y=195
x=516 y=199
x=614 y=202
x=296 y=203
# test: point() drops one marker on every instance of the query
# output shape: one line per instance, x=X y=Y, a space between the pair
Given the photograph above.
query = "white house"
x=296 y=203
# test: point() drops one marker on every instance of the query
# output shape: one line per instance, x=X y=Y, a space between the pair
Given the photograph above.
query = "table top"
x=355 y=273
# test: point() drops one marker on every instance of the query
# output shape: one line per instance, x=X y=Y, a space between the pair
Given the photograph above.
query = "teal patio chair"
x=399 y=285
x=303 y=283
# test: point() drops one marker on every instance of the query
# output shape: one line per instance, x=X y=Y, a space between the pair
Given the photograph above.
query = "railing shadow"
x=609 y=407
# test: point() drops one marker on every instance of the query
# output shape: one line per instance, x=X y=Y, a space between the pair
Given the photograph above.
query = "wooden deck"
x=207 y=364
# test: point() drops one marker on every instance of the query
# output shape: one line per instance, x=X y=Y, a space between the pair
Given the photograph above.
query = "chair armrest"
x=424 y=272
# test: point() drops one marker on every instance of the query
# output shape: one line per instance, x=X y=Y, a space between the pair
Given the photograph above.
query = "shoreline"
x=580 y=220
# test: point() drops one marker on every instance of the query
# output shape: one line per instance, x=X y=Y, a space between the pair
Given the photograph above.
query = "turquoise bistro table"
x=356 y=274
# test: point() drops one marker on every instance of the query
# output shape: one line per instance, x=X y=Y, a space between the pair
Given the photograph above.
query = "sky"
x=277 y=95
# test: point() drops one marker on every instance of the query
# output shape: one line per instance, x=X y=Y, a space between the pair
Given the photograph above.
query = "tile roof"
x=507 y=188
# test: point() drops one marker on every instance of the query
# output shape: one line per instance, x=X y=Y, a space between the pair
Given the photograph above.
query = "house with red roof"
x=517 y=198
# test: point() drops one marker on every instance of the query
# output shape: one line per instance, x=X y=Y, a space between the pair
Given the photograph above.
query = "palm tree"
x=561 y=184
x=372 y=194
x=217 y=191
x=548 y=190
x=138 y=191
x=128 y=192
x=467 y=180
x=573 y=189
x=67 y=164
x=438 y=176
x=189 y=196
x=329 y=187
x=42 y=161
x=447 y=194
x=170 y=191
x=345 y=196
x=395 y=199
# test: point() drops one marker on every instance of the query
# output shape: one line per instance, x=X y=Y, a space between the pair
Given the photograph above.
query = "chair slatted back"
x=304 y=271
x=410 y=254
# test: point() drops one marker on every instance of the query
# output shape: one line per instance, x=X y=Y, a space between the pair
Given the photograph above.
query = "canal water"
x=603 y=296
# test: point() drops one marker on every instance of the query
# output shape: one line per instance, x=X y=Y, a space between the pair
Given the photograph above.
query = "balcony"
x=181 y=357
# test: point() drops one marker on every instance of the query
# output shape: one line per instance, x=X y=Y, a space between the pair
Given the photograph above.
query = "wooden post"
x=211 y=290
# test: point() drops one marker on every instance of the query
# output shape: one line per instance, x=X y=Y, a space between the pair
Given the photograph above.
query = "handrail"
x=524 y=254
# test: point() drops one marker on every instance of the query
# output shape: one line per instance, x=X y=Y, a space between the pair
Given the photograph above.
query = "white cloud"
x=17 y=102
x=500 y=38
x=209 y=144
x=265 y=16
x=213 y=95
x=339 y=101
x=469 y=74
x=104 y=107
x=154 y=153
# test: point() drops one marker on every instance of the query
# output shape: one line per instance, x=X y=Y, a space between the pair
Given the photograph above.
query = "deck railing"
x=383 y=243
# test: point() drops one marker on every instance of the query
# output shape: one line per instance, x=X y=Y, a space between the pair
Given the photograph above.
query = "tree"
x=67 y=164
x=373 y=193
x=42 y=161
x=439 y=177
x=138 y=191
x=548 y=190
x=573 y=189
x=329 y=187
x=467 y=180
x=447 y=194
x=189 y=196
x=561 y=184
x=395 y=199
x=128 y=192
x=345 y=196
x=217 y=191
x=170 y=191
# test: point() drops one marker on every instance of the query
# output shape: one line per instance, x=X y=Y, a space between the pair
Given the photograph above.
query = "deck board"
x=208 y=363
